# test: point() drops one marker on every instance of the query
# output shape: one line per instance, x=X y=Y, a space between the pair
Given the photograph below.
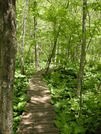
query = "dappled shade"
x=40 y=115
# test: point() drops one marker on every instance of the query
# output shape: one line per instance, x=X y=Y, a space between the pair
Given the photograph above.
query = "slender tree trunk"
x=54 y=47
x=8 y=50
x=43 y=53
x=67 y=54
x=36 y=40
x=83 y=50
x=36 y=45
x=59 y=53
x=100 y=37
x=83 y=54
x=24 y=30
x=19 y=47
x=55 y=55
x=49 y=60
x=51 y=51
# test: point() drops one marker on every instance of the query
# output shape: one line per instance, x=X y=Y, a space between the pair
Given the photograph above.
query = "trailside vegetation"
x=62 y=83
x=64 y=39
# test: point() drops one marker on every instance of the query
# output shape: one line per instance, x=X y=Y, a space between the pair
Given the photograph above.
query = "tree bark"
x=8 y=50
x=83 y=50
x=36 y=45
x=50 y=51
x=83 y=55
x=0 y=71
x=36 y=40
x=55 y=56
x=54 y=47
x=24 y=30
x=59 y=53
x=43 y=53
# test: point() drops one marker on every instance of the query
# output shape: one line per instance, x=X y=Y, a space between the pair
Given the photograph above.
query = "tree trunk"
x=83 y=55
x=36 y=45
x=83 y=50
x=8 y=50
x=55 y=56
x=53 y=50
x=59 y=54
x=36 y=41
x=24 y=24
x=0 y=72
x=100 y=38
x=43 y=53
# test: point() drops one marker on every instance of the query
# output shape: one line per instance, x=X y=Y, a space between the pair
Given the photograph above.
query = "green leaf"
x=22 y=97
x=57 y=107
x=58 y=124
x=16 y=100
x=15 y=108
x=67 y=129
x=15 y=114
x=79 y=129
x=21 y=106
x=18 y=118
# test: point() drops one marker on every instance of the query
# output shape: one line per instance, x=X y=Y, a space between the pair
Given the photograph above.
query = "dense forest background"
x=66 y=37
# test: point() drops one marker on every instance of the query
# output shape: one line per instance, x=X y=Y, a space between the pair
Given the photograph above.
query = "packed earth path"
x=39 y=117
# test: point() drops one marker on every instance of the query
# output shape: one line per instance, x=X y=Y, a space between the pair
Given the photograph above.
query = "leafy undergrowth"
x=20 y=89
x=62 y=84
x=20 y=99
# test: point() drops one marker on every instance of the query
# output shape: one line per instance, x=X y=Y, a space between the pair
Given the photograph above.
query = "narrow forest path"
x=40 y=115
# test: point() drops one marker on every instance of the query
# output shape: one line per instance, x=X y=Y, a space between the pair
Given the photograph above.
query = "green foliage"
x=51 y=15
x=99 y=66
x=28 y=65
x=20 y=89
x=62 y=84
x=30 y=68
x=91 y=63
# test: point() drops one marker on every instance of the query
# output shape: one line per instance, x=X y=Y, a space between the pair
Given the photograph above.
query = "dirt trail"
x=40 y=115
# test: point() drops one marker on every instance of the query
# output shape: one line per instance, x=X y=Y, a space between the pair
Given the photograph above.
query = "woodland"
x=64 y=36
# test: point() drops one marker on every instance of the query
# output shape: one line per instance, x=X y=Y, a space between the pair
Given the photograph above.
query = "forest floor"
x=39 y=116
